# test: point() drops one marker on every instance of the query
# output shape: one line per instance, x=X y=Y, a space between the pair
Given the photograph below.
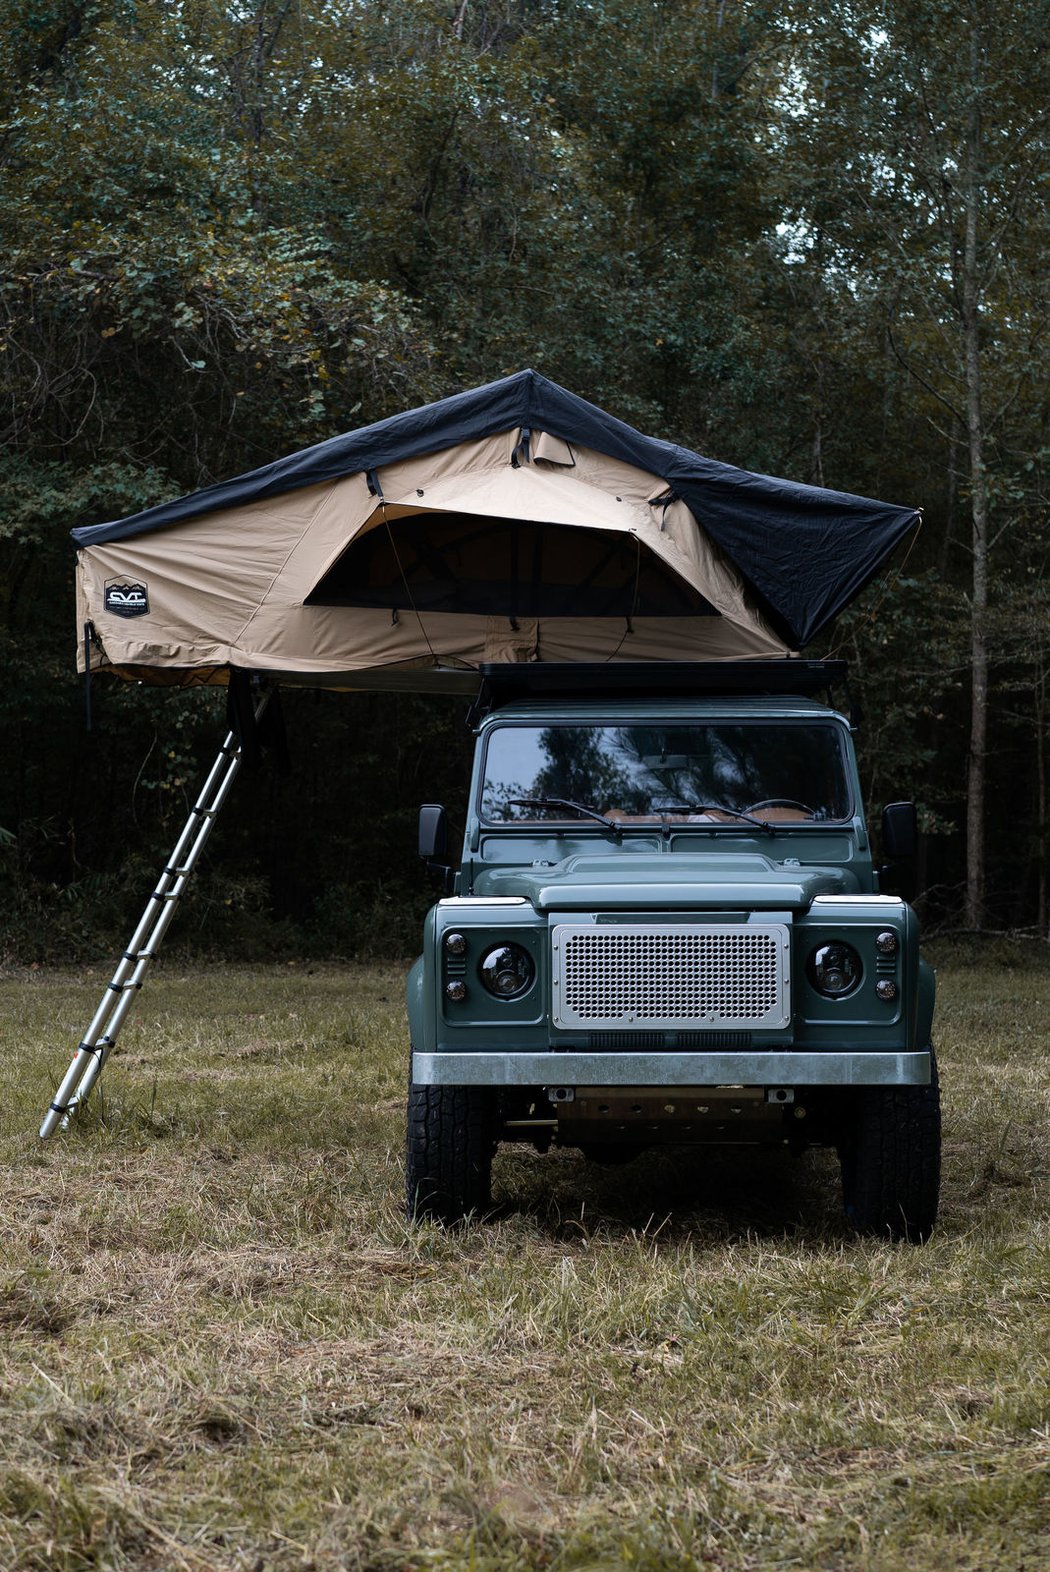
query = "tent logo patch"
x=126 y=600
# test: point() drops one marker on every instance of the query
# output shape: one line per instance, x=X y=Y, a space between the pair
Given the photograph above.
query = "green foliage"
x=229 y=231
x=155 y=294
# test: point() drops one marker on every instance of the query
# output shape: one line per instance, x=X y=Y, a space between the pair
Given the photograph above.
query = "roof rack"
x=627 y=679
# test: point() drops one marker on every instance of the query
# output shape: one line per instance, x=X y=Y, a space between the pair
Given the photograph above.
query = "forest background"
x=810 y=241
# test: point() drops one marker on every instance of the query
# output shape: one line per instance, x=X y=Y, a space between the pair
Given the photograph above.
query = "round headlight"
x=834 y=970
x=507 y=971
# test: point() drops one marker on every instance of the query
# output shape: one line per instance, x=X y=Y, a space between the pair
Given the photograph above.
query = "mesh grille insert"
x=671 y=976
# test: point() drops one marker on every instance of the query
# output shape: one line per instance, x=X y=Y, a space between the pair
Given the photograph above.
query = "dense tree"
x=806 y=243
x=923 y=132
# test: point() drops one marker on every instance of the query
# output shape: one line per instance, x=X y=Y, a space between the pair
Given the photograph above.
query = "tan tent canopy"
x=413 y=551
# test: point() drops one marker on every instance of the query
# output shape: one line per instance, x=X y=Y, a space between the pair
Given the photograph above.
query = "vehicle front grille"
x=690 y=976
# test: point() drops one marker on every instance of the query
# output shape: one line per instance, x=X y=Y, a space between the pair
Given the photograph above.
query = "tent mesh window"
x=455 y=562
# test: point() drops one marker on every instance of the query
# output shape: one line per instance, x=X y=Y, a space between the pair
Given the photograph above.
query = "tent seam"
x=293 y=548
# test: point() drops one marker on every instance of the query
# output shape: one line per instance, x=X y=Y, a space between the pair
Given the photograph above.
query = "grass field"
x=222 y=1347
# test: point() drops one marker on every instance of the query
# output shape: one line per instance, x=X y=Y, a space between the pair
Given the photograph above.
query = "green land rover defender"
x=667 y=928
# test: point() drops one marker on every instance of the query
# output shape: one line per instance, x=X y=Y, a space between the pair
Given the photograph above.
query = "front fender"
x=420 y=1024
x=926 y=999
x=414 y=1004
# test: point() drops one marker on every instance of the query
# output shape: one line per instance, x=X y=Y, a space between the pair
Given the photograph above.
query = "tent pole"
x=119 y=996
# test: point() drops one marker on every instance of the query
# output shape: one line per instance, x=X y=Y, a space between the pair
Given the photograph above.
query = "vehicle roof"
x=600 y=685
x=747 y=707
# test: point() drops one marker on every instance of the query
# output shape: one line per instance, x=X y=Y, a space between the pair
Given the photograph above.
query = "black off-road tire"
x=448 y=1160
x=890 y=1154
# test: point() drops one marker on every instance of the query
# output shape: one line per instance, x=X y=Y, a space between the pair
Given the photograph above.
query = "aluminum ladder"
x=101 y=1035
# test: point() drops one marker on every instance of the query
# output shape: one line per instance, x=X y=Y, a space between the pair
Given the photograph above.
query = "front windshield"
x=709 y=773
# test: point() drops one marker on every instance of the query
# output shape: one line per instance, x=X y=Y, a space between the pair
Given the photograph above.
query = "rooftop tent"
x=515 y=522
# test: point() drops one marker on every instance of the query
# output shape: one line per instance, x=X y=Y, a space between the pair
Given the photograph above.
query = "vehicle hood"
x=675 y=882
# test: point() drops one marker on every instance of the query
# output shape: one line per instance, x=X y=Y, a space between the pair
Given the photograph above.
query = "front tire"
x=450 y=1146
x=891 y=1160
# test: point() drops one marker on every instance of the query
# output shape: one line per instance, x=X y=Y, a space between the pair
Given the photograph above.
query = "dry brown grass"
x=222 y=1348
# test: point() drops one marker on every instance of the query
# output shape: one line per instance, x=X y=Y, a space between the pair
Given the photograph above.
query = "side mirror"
x=433 y=832
x=900 y=831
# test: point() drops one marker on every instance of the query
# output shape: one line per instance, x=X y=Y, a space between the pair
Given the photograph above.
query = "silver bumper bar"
x=671 y=1069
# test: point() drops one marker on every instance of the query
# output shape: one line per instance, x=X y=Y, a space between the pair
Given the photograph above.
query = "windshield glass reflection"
x=704 y=773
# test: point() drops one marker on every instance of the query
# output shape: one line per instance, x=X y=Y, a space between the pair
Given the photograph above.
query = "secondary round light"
x=507 y=971
x=886 y=989
x=456 y=991
x=835 y=970
x=886 y=942
x=455 y=943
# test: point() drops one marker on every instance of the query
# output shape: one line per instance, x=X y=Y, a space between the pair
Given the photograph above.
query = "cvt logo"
x=126 y=600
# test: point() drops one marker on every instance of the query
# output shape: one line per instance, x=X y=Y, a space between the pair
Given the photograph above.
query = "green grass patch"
x=222 y=1347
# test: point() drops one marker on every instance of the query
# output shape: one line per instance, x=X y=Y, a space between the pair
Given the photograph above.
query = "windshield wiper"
x=564 y=802
x=716 y=807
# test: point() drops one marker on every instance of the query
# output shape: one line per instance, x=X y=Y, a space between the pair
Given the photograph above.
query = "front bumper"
x=828 y=1068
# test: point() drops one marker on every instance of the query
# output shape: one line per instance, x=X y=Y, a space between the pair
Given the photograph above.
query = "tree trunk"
x=970 y=312
x=1039 y=704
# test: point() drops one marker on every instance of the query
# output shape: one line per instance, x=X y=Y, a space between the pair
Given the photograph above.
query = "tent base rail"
x=101 y=1036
